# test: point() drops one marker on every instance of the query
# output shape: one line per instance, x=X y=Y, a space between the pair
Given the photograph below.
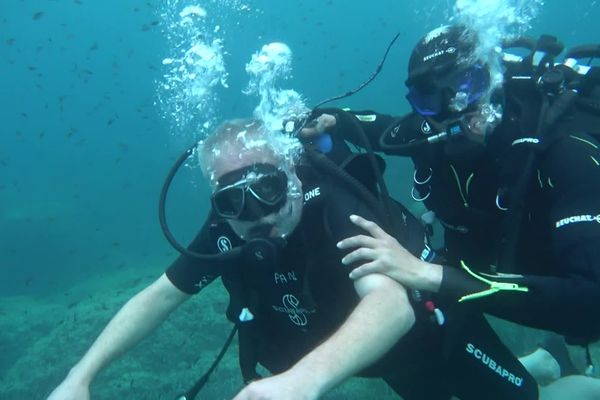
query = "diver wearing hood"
x=481 y=152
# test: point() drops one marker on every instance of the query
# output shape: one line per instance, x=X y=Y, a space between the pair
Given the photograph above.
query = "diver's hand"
x=318 y=126
x=283 y=386
x=70 y=389
x=381 y=253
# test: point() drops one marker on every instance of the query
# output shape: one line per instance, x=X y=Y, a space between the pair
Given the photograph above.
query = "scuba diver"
x=510 y=167
x=277 y=212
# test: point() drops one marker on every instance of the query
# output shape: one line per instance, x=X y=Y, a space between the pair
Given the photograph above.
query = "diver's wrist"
x=432 y=276
x=80 y=375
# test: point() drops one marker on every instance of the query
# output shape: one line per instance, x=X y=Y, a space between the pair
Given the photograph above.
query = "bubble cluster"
x=493 y=21
x=266 y=67
x=196 y=72
x=195 y=68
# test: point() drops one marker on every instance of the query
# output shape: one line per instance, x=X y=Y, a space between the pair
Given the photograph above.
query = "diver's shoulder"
x=572 y=158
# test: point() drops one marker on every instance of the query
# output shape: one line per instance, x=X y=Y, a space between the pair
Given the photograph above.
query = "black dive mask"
x=250 y=193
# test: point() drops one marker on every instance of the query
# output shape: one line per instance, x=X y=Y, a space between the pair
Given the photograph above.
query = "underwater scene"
x=101 y=98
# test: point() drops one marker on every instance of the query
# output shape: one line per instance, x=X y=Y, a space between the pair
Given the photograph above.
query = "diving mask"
x=446 y=93
x=248 y=194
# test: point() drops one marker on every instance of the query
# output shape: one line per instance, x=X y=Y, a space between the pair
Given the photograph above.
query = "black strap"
x=193 y=391
x=546 y=133
x=248 y=356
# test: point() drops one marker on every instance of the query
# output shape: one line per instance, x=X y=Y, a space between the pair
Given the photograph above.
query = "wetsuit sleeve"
x=190 y=275
x=566 y=300
x=385 y=133
x=338 y=224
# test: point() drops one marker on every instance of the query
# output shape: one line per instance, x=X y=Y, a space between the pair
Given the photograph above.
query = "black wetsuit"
x=557 y=251
x=302 y=296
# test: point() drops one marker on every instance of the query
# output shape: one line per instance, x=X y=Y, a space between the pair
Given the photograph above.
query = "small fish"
x=37 y=15
x=3 y=163
x=10 y=41
x=32 y=67
x=71 y=132
x=78 y=2
x=93 y=47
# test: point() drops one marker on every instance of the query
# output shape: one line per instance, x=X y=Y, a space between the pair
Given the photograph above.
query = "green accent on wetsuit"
x=495 y=287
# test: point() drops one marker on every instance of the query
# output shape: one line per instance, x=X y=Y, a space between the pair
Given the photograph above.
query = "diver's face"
x=456 y=101
x=265 y=200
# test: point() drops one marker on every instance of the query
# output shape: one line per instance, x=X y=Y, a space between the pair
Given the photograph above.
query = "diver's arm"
x=369 y=332
x=566 y=304
x=565 y=299
x=384 y=132
x=133 y=322
x=380 y=319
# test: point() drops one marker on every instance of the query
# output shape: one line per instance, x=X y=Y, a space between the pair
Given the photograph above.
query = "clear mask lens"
x=251 y=199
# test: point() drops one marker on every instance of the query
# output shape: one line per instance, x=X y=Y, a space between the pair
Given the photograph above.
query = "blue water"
x=83 y=151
